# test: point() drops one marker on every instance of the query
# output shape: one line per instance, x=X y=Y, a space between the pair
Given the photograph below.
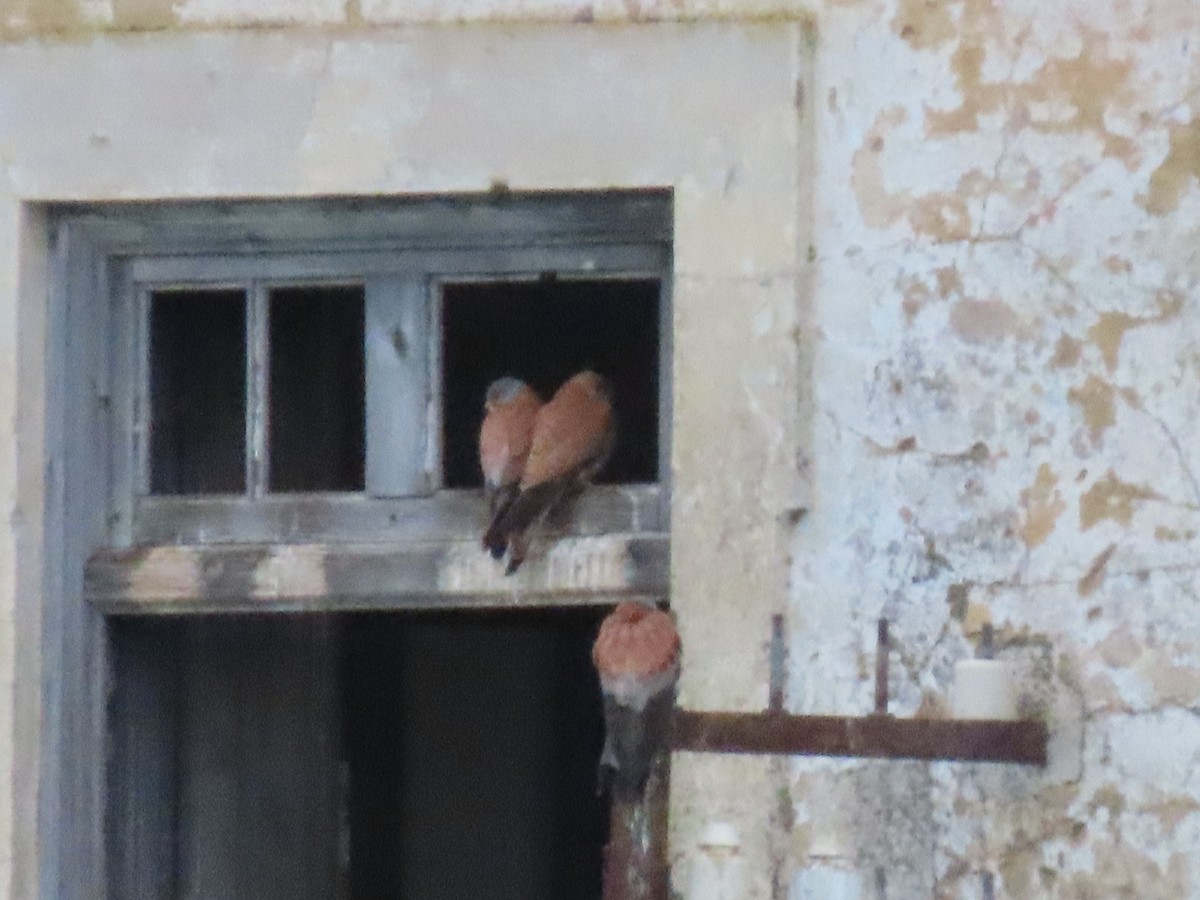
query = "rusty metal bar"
x=863 y=736
x=635 y=859
x=619 y=852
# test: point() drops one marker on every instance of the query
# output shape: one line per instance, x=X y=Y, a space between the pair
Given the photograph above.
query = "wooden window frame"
x=402 y=252
x=401 y=287
x=116 y=550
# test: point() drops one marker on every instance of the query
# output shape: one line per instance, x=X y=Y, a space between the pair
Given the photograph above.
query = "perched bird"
x=505 y=436
x=637 y=656
x=573 y=436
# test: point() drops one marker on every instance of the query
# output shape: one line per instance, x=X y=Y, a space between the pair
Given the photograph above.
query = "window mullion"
x=258 y=361
x=397 y=338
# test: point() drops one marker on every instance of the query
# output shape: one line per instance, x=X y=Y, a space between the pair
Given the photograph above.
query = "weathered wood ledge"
x=261 y=577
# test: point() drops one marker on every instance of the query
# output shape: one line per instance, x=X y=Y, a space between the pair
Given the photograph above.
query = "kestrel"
x=510 y=408
x=637 y=656
x=573 y=436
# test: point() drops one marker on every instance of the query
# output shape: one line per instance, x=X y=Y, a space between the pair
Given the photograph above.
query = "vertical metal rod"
x=778 y=663
x=880 y=883
x=881 y=669
x=258 y=358
x=635 y=859
x=989 y=886
x=618 y=854
x=987 y=643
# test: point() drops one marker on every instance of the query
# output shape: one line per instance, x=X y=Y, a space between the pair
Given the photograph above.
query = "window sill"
x=345 y=576
x=448 y=515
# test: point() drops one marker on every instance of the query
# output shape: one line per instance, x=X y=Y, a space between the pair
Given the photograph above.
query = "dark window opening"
x=472 y=743
x=435 y=755
x=544 y=332
x=316 y=389
x=197 y=391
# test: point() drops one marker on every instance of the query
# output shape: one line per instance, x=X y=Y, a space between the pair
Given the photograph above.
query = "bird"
x=573 y=436
x=505 y=437
x=636 y=654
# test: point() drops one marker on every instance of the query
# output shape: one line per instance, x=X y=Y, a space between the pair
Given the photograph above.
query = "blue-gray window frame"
x=105 y=258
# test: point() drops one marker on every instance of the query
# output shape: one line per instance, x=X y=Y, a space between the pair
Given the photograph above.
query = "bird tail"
x=499 y=500
x=507 y=530
x=634 y=740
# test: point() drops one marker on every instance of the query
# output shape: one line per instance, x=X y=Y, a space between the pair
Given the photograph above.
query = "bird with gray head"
x=505 y=437
x=573 y=436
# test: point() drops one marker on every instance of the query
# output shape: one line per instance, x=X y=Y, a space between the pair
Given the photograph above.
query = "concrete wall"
x=962 y=252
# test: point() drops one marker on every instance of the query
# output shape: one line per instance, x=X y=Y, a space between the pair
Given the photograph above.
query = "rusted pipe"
x=884 y=737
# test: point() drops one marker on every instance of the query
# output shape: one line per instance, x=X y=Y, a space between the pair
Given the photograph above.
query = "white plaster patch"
x=583 y=564
x=96 y=12
x=1160 y=748
x=466 y=568
x=367 y=95
x=291 y=570
x=172 y=573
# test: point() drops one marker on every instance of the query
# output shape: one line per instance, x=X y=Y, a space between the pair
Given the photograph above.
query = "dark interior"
x=544 y=332
x=197 y=392
x=472 y=741
x=316 y=389
x=439 y=756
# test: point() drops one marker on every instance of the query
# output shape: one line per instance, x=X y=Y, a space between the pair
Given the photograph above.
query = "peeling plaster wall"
x=998 y=421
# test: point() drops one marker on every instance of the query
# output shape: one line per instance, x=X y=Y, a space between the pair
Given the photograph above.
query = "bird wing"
x=504 y=442
x=571 y=435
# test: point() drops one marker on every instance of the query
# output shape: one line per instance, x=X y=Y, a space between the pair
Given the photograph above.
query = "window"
x=279 y=386
x=284 y=399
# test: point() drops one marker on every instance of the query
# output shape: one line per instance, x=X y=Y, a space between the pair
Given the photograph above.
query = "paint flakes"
x=1077 y=91
x=982 y=321
x=879 y=208
x=1176 y=172
x=1043 y=504
x=916 y=294
x=1066 y=352
x=1120 y=870
x=1174 y=684
x=1165 y=533
x=1121 y=648
x=1108 y=797
x=924 y=24
x=1170 y=810
x=949 y=281
x=1097 y=400
x=942 y=215
x=1094 y=577
x=1111 y=498
x=1109 y=330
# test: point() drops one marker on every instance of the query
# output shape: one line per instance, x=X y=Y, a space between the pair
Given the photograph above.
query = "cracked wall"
x=1002 y=354
x=1006 y=234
